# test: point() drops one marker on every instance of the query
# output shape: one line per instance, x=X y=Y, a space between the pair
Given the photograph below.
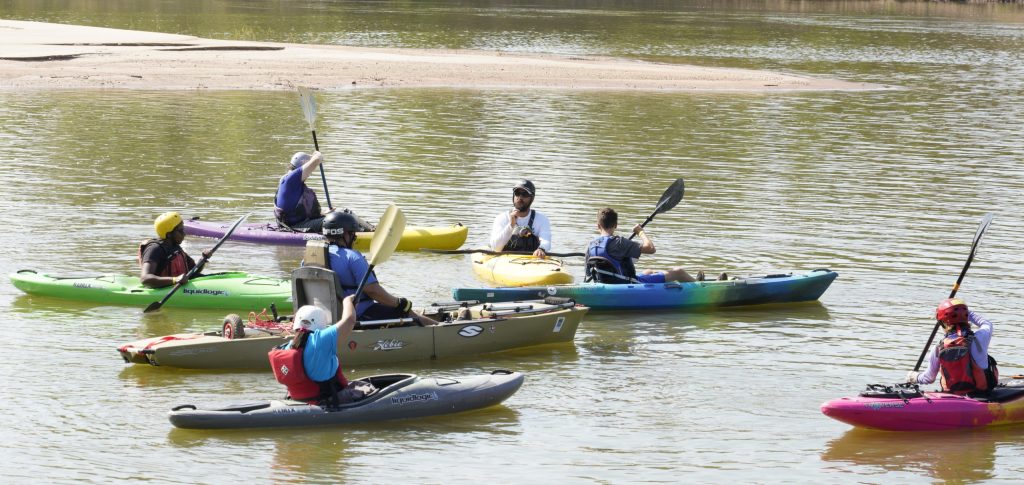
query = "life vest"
x=524 y=243
x=176 y=263
x=307 y=208
x=288 y=369
x=959 y=373
x=603 y=268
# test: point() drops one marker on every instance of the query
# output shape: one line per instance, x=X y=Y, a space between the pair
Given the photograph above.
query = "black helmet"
x=525 y=185
x=337 y=222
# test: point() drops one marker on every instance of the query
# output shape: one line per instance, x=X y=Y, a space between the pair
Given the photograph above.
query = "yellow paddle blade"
x=388 y=234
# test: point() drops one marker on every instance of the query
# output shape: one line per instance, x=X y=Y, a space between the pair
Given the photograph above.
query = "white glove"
x=912 y=377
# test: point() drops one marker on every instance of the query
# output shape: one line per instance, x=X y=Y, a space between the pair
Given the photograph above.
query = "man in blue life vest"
x=962 y=354
x=295 y=204
x=308 y=365
x=610 y=257
x=162 y=261
x=522 y=229
x=349 y=266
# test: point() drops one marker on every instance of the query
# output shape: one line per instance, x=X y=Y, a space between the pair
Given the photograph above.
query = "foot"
x=723 y=277
x=700 y=276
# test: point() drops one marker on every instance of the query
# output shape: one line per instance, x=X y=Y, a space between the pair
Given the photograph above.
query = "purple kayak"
x=413 y=239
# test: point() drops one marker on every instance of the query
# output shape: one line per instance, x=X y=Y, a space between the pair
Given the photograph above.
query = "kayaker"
x=349 y=266
x=522 y=229
x=295 y=204
x=610 y=257
x=163 y=262
x=308 y=365
x=962 y=354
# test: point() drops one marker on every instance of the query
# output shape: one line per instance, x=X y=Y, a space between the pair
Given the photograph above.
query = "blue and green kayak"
x=776 y=288
x=226 y=291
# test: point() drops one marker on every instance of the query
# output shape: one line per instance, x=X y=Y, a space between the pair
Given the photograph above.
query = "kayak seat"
x=1000 y=394
x=316 y=286
x=601 y=270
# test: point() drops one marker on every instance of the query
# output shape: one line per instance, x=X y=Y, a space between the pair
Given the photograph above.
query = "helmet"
x=952 y=311
x=310 y=318
x=525 y=185
x=298 y=159
x=166 y=223
x=337 y=222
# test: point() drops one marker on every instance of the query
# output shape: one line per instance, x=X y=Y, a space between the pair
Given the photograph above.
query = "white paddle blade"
x=388 y=234
x=308 y=102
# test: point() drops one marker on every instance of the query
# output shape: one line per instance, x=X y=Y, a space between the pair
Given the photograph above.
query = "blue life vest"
x=603 y=268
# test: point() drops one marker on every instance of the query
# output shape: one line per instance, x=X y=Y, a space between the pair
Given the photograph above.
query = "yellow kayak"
x=519 y=270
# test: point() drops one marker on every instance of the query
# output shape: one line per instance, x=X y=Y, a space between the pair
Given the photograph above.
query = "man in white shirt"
x=522 y=229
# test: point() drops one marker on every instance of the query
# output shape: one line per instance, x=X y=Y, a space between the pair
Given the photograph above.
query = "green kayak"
x=226 y=291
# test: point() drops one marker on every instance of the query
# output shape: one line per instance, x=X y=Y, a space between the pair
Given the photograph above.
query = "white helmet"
x=310 y=318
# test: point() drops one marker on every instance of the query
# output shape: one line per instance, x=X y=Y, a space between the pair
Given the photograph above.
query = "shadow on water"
x=955 y=456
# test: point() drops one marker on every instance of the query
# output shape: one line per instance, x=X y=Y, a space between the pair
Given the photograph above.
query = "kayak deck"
x=519 y=270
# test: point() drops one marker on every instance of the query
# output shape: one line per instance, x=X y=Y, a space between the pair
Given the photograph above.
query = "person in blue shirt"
x=295 y=204
x=349 y=266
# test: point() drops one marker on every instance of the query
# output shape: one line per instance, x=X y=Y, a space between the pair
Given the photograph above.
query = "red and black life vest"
x=288 y=369
x=175 y=263
x=959 y=373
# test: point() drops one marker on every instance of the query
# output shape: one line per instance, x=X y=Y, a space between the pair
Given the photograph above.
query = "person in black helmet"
x=522 y=228
x=349 y=266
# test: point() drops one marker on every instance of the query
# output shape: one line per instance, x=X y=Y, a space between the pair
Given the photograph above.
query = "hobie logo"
x=389 y=344
x=470 y=331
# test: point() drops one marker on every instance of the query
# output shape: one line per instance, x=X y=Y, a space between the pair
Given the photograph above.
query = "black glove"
x=403 y=306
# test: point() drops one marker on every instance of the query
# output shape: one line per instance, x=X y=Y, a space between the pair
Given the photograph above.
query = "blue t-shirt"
x=289 y=191
x=350 y=266
x=320 y=356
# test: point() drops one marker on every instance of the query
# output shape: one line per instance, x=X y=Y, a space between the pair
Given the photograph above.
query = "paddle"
x=985 y=221
x=308 y=103
x=385 y=241
x=668 y=200
x=488 y=251
x=197 y=268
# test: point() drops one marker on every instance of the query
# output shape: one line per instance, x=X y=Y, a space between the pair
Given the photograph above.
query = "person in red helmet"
x=962 y=355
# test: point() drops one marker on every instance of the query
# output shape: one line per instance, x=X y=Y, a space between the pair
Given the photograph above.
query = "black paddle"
x=308 y=103
x=198 y=267
x=668 y=200
x=985 y=221
x=488 y=251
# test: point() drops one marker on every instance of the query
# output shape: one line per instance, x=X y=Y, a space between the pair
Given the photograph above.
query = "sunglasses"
x=522 y=193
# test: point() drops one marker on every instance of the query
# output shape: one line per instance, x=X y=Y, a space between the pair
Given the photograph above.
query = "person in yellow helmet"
x=163 y=262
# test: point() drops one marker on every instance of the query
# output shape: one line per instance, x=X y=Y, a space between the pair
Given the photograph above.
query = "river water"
x=885 y=187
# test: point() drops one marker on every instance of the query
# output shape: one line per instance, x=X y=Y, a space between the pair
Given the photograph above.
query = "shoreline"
x=46 y=56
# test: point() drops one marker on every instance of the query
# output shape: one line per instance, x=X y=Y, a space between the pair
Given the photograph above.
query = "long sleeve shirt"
x=979 y=349
x=501 y=230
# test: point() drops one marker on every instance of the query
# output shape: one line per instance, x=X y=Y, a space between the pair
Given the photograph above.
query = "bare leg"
x=427 y=321
x=678 y=274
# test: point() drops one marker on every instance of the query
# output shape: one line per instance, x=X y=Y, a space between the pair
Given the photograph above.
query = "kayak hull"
x=549 y=324
x=413 y=239
x=227 y=291
x=519 y=270
x=689 y=296
x=399 y=396
x=933 y=411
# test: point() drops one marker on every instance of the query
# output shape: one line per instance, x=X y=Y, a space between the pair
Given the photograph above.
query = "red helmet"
x=952 y=311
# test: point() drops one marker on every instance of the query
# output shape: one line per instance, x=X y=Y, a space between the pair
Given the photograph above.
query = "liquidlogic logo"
x=470 y=331
x=82 y=285
x=204 y=291
x=389 y=344
x=411 y=398
x=881 y=405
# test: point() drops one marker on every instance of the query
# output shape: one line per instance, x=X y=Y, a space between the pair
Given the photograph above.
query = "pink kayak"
x=905 y=408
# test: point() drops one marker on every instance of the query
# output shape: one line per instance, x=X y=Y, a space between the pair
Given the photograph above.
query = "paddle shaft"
x=956 y=287
x=644 y=224
x=195 y=269
x=323 y=176
x=488 y=251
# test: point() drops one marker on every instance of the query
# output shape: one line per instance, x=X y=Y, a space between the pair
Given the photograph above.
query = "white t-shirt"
x=501 y=231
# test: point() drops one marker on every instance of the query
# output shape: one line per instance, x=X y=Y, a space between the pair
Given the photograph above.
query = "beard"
x=522 y=206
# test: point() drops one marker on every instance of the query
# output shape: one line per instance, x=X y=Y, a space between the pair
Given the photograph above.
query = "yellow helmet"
x=166 y=223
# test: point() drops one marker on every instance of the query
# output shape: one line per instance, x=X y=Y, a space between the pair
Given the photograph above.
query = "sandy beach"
x=39 y=56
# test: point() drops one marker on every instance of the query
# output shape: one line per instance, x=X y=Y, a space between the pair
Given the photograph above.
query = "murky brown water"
x=884 y=187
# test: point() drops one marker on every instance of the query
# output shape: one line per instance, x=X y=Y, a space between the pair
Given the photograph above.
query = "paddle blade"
x=388 y=234
x=153 y=306
x=308 y=102
x=985 y=221
x=671 y=197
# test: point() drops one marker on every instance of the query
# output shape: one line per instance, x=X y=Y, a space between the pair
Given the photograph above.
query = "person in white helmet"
x=308 y=365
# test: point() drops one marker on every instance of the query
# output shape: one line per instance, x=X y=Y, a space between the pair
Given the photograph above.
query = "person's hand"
x=912 y=377
x=540 y=253
x=317 y=156
x=182 y=279
x=637 y=229
x=403 y=305
x=512 y=218
x=208 y=253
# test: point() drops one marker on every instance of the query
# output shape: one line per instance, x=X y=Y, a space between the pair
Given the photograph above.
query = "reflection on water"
x=886 y=188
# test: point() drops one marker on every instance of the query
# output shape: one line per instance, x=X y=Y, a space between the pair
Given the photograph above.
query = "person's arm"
x=379 y=294
x=928 y=375
x=314 y=161
x=347 y=321
x=542 y=228
x=150 y=280
x=646 y=245
x=501 y=230
x=982 y=336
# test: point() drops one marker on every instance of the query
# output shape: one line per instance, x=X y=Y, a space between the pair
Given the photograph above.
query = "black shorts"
x=380 y=312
